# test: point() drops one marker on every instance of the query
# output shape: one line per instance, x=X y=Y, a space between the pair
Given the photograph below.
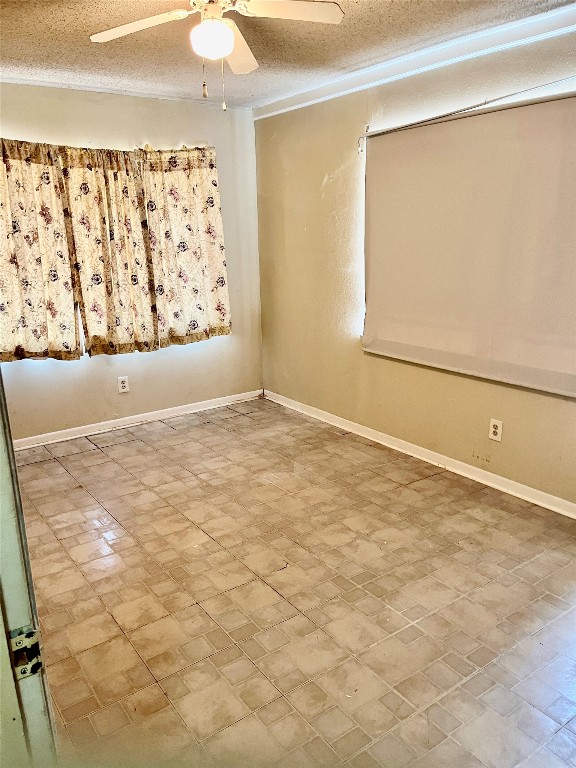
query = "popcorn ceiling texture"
x=47 y=42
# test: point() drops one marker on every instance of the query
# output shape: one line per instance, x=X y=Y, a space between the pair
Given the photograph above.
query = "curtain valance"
x=134 y=240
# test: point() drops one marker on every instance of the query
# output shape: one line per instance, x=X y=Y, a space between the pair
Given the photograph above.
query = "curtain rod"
x=368 y=134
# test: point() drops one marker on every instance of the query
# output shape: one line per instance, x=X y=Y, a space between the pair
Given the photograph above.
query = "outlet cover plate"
x=495 y=432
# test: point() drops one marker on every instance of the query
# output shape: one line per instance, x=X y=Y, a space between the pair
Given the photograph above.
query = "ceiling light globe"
x=212 y=39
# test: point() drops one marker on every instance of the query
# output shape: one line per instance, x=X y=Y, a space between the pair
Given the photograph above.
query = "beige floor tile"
x=544 y=759
x=292 y=731
x=394 y=661
x=562 y=710
x=144 y=703
x=246 y=743
x=109 y=720
x=563 y=745
x=70 y=447
x=333 y=724
x=303 y=596
x=175 y=642
x=114 y=670
x=376 y=719
x=103 y=567
x=264 y=563
x=560 y=675
x=390 y=752
x=213 y=708
x=352 y=685
x=355 y=632
x=494 y=741
x=290 y=580
x=82 y=735
x=80 y=709
x=32 y=455
x=351 y=743
x=419 y=734
x=249 y=608
x=310 y=700
x=533 y=723
x=154 y=740
x=69 y=693
x=57 y=583
x=135 y=613
x=44 y=566
x=418 y=690
x=448 y=753
x=257 y=692
x=253 y=596
x=159 y=636
x=315 y=653
x=90 y=632
x=63 y=672
x=92 y=550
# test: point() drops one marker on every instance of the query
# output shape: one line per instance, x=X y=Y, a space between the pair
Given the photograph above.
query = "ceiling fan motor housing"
x=213 y=8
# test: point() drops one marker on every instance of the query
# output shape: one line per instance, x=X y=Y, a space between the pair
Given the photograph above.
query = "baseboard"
x=533 y=495
x=130 y=421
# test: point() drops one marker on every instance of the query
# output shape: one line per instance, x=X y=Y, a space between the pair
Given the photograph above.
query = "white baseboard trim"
x=130 y=421
x=533 y=495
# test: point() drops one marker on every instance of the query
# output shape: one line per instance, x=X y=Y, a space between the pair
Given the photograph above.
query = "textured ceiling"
x=47 y=41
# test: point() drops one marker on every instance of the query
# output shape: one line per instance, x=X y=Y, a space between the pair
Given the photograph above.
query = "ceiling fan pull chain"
x=223 y=90
x=204 y=84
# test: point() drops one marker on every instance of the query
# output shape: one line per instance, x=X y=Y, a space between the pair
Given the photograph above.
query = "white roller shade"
x=471 y=245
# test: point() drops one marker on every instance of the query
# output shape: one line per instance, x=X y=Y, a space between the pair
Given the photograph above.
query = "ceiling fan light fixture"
x=212 y=39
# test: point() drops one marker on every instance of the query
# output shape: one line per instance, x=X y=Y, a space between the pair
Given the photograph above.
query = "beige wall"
x=310 y=187
x=45 y=396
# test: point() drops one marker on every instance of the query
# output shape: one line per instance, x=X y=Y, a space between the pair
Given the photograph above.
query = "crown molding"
x=534 y=29
x=7 y=80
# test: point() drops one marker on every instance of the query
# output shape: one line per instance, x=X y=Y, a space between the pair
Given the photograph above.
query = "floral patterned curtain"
x=37 y=315
x=186 y=244
x=104 y=198
x=134 y=238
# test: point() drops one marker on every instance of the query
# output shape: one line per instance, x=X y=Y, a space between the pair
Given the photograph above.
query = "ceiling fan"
x=219 y=38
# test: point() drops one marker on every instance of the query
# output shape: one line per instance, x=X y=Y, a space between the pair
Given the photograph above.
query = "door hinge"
x=25 y=651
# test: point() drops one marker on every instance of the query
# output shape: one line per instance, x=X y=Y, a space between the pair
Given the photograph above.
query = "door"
x=26 y=733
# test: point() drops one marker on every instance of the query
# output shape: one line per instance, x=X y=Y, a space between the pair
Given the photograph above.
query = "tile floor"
x=250 y=587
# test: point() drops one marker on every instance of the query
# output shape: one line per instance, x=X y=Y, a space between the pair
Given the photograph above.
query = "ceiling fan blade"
x=241 y=60
x=299 y=10
x=137 y=26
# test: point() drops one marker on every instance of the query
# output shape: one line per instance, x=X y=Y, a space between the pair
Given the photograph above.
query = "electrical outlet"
x=495 y=432
x=123 y=385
